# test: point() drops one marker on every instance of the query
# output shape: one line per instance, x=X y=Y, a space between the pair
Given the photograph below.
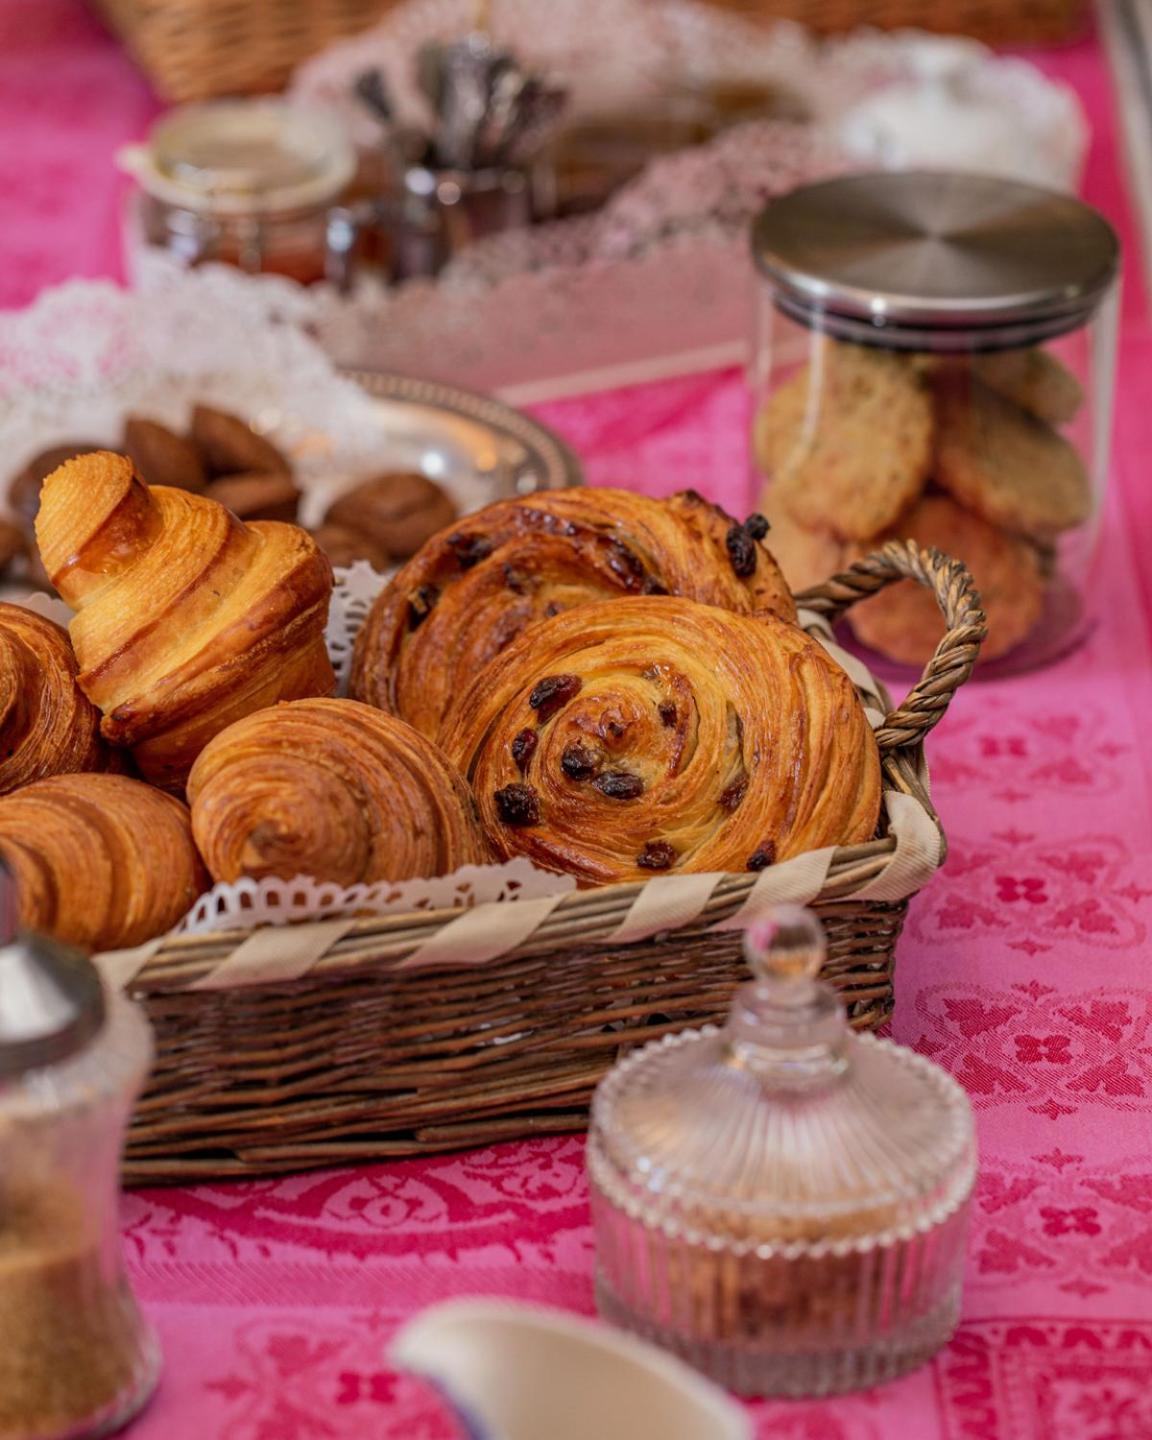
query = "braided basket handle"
x=956 y=653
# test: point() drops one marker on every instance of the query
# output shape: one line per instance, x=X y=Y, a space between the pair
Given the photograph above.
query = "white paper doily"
x=87 y=353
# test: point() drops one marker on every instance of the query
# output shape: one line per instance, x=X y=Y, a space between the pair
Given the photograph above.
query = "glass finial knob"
x=787 y=945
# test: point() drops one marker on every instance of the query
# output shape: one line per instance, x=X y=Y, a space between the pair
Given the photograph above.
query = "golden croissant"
x=334 y=790
x=187 y=618
x=99 y=861
x=651 y=735
x=475 y=586
x=47 y=724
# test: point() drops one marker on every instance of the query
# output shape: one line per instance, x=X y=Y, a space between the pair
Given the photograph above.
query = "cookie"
x=256 y=496
x=162 y=457
x=805 y=557
x=849 y=443
x=398 y=511
x=904 y=621
x=345 y=546
x=231 y=447
x=1007 y=466
x=1034 y=380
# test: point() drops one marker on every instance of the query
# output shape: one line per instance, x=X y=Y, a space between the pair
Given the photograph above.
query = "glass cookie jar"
x=782 y=1203
x=77 y=1357
x=250 y=183
x=935 y=361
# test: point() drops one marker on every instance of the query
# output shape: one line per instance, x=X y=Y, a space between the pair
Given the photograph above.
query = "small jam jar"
x=77 y=1357
x=936 y=361
x=782 y=1203
x=250 y=183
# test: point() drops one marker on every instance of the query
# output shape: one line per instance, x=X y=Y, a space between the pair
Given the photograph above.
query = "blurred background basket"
x=345 y=1052
x=193 y=49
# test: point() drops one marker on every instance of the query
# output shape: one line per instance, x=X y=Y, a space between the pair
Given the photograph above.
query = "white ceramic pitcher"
x=521 y=1372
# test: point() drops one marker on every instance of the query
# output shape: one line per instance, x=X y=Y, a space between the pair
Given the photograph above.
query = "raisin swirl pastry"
x=474 y=587
x=99 y=861
x=47 y=725
x=187 y=618
x=334 y=790
x=657 y=734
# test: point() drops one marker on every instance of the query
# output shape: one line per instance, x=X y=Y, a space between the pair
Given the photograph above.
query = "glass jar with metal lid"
x=77 y=1357
x=250 y=183
x=935 y=360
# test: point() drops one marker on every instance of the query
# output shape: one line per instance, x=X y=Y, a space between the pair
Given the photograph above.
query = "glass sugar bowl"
x=782 y=1203
x=936 y=361
x=77 y=1358
x=249 y=183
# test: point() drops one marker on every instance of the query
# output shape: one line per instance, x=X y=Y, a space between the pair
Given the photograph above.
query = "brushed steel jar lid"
x=931 y=250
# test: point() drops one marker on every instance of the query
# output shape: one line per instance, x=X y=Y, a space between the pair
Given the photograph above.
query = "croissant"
x=657 y=734
x=334 y=790
x=99 y=861
x=47 y=725
x=474 y=587
x=187 y=617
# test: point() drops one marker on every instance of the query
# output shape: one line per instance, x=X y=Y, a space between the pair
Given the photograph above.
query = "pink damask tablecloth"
x=1025 y=968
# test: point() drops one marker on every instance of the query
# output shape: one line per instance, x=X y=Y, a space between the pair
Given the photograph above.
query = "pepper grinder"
x=77 y=1358
x=781 y=1202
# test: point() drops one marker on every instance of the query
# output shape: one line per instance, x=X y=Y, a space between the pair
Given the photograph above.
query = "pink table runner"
x=1024 y=968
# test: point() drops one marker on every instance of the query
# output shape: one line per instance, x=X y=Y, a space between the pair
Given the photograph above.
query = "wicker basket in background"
x=356 y=1057
x=193 y=49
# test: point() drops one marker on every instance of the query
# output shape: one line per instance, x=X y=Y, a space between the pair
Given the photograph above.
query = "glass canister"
x=936 y=361
x=249 y=183
x=77 y=1358
x=782 y=1203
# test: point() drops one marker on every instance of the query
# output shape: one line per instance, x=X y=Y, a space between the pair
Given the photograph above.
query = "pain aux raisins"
x=763 y=857
x=553 y=692
x=667 y=712
x=517 y=805
x=619 y=785
x=523 y=748
x=656 y=855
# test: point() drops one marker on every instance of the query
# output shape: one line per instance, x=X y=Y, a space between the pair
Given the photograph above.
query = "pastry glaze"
x=334 y=790
x=477 y=585
x=100 y=861
x=647 y=735
x=187 y=618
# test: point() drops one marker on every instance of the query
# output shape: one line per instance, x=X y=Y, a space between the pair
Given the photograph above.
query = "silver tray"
x=462 y=436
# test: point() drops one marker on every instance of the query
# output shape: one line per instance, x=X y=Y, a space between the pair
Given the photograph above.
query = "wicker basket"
x=360 y=1059
x=193 y=49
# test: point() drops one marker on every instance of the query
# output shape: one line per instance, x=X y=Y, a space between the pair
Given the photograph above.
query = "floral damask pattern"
x=1084 y=1230
x=1013 y=756
x=1033 y=893
x=314 y=1379
x=1051 y=1050
x=1047 y=1379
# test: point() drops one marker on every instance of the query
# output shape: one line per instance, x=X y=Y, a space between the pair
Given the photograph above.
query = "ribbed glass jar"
x=781 y=1202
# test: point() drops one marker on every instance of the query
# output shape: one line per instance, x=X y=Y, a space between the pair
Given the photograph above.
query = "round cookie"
x=849 y=444
x=806 y=557
x=1034 y=380
x=1007 y=466
x=904 y=621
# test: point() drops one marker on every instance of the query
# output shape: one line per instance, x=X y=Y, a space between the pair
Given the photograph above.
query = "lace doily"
x=87 y=353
